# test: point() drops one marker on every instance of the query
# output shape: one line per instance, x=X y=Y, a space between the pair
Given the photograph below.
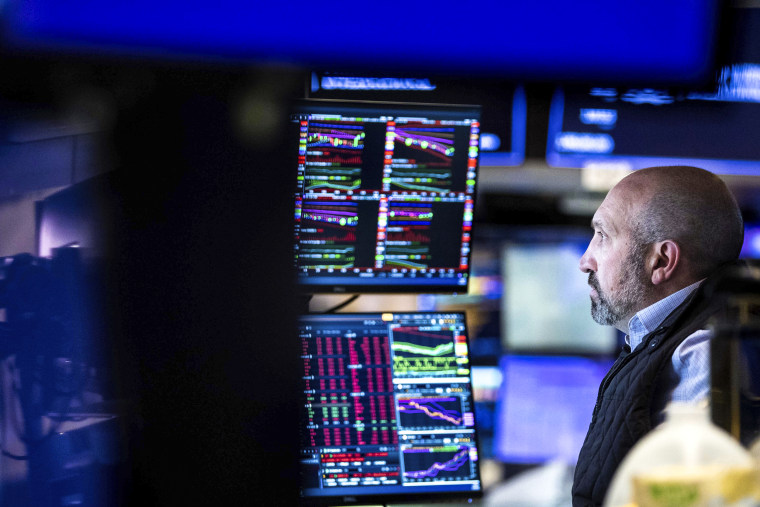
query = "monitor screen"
x=632 y=128
x=388 y=409
x=385 y=195
x=545 y=406
x=504 y=115
x=546 y=307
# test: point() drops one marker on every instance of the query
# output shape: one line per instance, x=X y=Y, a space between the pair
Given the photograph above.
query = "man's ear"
x=665 y=259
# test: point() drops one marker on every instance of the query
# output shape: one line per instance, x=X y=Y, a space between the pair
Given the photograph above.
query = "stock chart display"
x=387 y=405
x=385 y=195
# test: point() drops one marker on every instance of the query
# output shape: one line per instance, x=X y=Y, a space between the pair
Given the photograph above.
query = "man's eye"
x=601 y=234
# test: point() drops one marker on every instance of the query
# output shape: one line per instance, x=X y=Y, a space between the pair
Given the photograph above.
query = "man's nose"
x=587 y=264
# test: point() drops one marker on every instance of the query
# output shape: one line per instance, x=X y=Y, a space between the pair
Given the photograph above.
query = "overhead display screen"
x=632 y=128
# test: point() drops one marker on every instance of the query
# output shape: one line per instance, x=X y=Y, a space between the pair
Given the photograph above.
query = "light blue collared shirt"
x=688 y=378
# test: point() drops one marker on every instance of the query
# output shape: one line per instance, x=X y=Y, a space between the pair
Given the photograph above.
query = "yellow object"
x=697 y=486
x=686 y=462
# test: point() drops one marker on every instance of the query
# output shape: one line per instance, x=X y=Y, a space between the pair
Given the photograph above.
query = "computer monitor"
x=502 y=123
x=545 y=406
x=385 y=195
x=546 y=307
x=388 y=409
x=629 y=128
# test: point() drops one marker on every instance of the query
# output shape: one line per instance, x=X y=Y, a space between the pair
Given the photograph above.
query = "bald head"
x=690 y=206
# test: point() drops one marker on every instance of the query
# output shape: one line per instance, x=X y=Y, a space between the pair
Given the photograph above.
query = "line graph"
x=440 y=462
x=343 y=214
x=430 y=412
x=417 y=251
x=408 y=257
x=341 y=178
x=409 y=234
x=404 y=184
x=413 y=348
x=326 y=257
x=334 y=156
x=437 y=141
x=422 y=158
x=410 y=214
x=327 y=235
x=427 y=351
x=427 y=367
x=345 y=135
x=432 y=181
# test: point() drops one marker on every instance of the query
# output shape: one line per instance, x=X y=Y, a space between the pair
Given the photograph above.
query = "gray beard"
x=612 y=309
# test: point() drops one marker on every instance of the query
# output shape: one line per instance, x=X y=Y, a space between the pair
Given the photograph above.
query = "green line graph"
x=424 y=351
x=440 y=350
x=425 y=367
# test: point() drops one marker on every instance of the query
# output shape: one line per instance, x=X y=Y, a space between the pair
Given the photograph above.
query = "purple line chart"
x=437 y=463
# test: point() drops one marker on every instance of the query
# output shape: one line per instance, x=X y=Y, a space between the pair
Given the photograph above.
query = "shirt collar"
x=647 y=320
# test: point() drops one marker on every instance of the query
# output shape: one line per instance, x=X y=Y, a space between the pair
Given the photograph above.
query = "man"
x=658 y=235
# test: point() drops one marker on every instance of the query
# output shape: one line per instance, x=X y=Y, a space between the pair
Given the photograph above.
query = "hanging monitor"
x=629 y=128
x=385 y=195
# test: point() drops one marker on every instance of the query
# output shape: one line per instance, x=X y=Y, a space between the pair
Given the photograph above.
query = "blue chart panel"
x=445 y=462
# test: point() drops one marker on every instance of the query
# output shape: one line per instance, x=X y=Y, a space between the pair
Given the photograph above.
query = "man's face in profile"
x=614 y=263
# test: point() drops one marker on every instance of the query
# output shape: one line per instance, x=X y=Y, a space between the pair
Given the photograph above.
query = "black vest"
x=622 y=414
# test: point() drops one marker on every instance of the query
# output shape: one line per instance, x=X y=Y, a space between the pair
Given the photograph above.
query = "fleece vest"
x=622 y=414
